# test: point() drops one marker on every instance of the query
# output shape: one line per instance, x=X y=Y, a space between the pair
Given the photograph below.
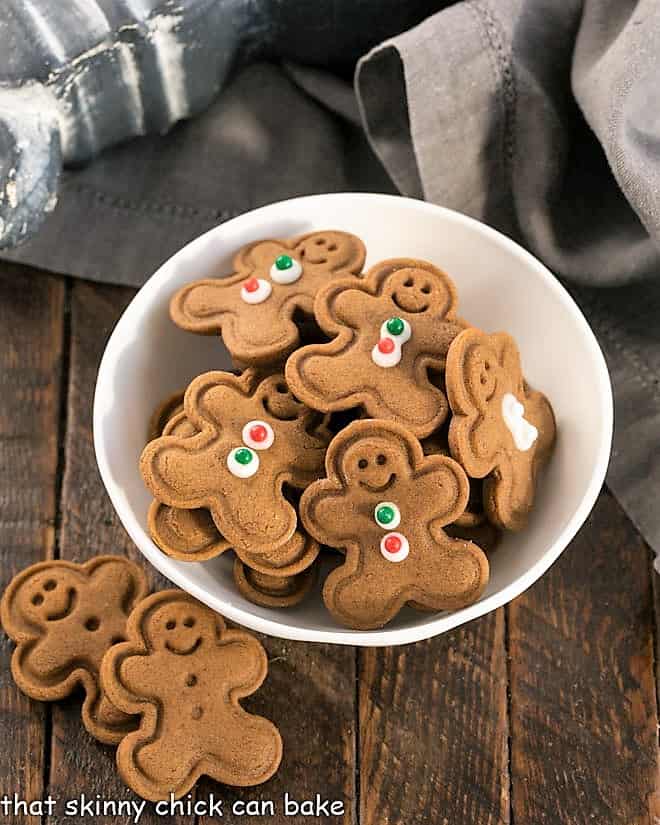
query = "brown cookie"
x=483 y=533
x=255 y=309
x=185 y=535
x=179 y=425
x=386 y=503
x=252 y=438
x=191 y=535
x=501 y=430
x=63 y=617
x=183 y=672
x=272 y=591
x=389 y=329
x=164 y=412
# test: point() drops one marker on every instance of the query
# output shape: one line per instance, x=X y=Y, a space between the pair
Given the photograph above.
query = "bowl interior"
x=500 y=286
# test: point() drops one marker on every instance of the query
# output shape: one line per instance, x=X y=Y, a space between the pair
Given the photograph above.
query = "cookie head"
x=374 y=464
x=180 y=628
x=45 y=597
x=415 y=291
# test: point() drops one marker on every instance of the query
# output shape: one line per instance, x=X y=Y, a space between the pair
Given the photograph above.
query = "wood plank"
x=31 y=332
x=433 y=729
x=310 y=695
x=90 y=527
x=583 y=704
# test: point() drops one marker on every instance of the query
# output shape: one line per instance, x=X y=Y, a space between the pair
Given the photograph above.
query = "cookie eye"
x=387 y=515
x=242 y=462
x=51 y=584
x=170 y=624
x=189 y=621
x=363 y=463
x=426 y=289
x=92 y=624
x=285 y=270
x=37 y=599
x=381 y=459
x=258 y=435
x=408 y=282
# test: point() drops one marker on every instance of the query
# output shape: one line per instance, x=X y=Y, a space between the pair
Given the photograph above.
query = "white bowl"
x=500 y=286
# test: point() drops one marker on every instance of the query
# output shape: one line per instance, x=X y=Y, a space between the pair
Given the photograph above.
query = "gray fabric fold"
x=541 y=118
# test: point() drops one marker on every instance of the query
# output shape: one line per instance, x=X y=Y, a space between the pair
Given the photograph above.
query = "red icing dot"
x=386 y=345
x=393 y=544
x=251 y=285
x=258 y=433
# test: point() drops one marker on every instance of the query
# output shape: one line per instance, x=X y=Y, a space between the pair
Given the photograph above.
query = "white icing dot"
x=242 y=470
x=258 y=445
x=402 y=337
x=286 y=276
x=397 y=515
x=391 y=359
x=400 y=554
x=524 y=434
x=386 y=359
x=259 y=295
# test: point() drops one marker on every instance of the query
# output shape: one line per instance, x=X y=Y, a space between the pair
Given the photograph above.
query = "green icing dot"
x=243 y=455
x=395 y=326
x=385 y=514
x=284 y=262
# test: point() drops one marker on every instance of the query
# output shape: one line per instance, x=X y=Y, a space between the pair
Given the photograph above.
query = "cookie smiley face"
x=183 y=673
x=501 y=430
x=251 y=437
x=386 y=504
x=255 y=309
x=180 y=632
x=388 y=330
x=64 y=617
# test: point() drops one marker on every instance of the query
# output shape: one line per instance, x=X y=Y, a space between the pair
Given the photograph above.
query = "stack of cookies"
x=365 y=416
x=162 y=675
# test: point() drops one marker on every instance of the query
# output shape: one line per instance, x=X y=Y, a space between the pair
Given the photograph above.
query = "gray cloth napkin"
x=539 y=117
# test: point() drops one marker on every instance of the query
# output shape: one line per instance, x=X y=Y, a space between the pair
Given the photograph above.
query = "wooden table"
x=542 y=712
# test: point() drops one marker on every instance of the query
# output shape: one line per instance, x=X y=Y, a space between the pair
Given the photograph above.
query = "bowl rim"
x=369 y=638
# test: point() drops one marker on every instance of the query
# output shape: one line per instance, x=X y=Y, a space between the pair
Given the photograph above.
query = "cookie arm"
x=325 y=512
x=202 y=306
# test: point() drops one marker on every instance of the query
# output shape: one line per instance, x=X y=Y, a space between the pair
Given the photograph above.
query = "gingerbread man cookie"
x=191 y=535
x=255 y=309
x=386 y=503
x=272 y=591
x=252 y=438
x=183 y=673
x=388 y=329
x=64 y=617
x=501 y=430
x=185 y=535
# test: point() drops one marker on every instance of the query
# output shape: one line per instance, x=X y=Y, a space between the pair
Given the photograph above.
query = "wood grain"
x=89 y=527
x=31 y=324
x=310 y=695
x=584 y=719
x=433 y=729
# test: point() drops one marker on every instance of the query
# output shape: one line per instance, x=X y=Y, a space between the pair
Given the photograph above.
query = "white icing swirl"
x=524 y=434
